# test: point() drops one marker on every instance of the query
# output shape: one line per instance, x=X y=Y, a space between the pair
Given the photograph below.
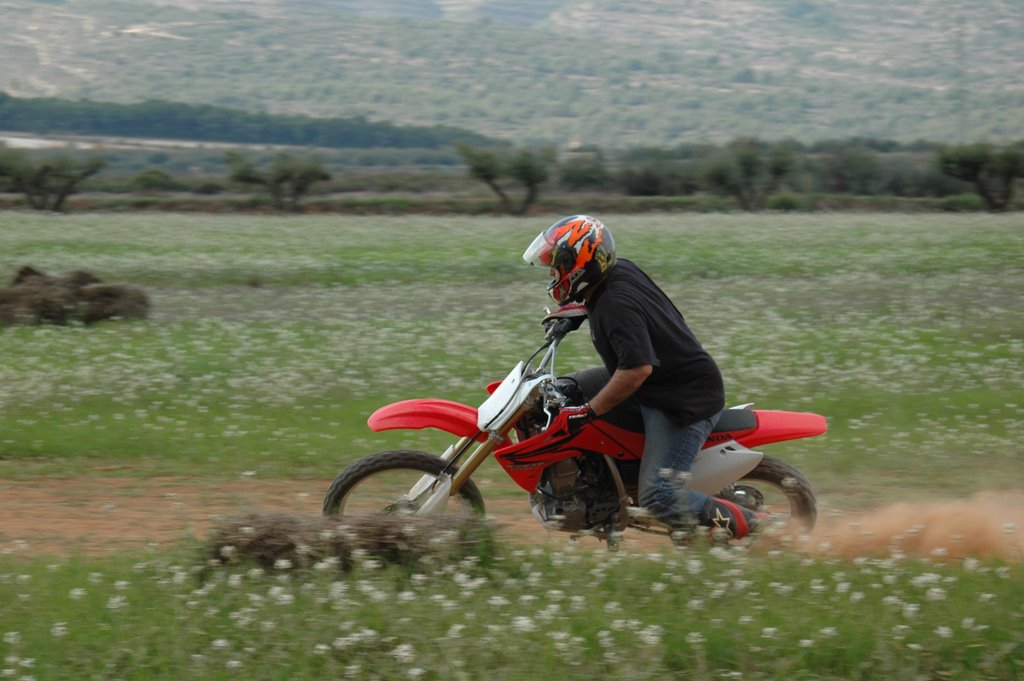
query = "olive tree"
x=47 y=182
x=287 y=180
x=529 y=169
x=992 y=171
x=749 y=171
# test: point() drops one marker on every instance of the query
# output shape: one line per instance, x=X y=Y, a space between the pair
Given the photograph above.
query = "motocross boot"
x=728 y=519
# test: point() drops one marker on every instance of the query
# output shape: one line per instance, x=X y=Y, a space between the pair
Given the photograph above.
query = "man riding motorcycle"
x=653 y=357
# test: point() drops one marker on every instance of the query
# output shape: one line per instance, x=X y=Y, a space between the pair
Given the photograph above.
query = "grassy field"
x=272 y=339
x=533 y=614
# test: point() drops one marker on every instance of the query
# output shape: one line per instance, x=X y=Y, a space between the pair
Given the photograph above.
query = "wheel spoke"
x=380 y=484
x=382 y=493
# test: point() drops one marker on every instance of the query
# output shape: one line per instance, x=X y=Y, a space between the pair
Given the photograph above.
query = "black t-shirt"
x=632 y=323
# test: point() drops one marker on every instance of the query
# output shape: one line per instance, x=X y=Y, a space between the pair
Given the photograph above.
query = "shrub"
x=587 y=172
x=155 y=180
x=963 y=203
x=209 y=187
x=785 y=202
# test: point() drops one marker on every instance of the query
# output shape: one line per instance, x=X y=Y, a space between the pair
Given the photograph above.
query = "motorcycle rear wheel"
x=375 y=485
x=779 y=489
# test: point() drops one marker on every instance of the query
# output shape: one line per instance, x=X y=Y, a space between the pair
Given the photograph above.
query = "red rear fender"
x=451 y=417
x=777 y=426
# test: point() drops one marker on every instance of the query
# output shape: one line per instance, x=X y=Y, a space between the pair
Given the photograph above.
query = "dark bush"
x=963 y=203
x=785 y=202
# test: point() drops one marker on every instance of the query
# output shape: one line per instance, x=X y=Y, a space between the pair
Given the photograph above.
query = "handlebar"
x=560 y=328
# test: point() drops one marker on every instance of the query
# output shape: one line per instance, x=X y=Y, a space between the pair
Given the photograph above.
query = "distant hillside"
x=608 y=72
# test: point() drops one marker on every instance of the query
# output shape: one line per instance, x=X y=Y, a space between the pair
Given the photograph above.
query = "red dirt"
x=95 y=515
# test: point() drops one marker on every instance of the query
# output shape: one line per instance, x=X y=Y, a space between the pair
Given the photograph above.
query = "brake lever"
x=559 y=329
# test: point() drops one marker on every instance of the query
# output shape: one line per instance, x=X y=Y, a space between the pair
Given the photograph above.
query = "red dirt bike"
x=583 y=484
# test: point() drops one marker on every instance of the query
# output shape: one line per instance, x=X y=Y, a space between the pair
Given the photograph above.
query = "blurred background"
x=789 y=104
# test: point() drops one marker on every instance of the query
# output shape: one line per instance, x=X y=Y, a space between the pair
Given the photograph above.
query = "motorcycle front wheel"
x=378 y=484
x=776 y=488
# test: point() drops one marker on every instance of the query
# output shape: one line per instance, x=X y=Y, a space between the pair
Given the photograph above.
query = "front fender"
x=451 y=417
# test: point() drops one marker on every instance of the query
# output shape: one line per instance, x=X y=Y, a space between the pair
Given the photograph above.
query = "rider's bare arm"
x=624 y=382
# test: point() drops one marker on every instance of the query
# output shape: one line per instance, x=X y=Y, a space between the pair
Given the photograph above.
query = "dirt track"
x=96 y=515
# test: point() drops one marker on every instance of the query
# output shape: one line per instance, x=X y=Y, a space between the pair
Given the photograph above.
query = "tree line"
x=173 y=120
x=755 y=175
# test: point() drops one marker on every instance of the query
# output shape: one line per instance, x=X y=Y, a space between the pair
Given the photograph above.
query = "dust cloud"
x=988 y=524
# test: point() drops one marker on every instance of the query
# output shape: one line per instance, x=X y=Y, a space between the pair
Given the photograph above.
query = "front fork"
x=468 y=459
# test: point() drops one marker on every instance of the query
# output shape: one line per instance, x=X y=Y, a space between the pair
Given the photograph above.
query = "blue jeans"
x=669 y=453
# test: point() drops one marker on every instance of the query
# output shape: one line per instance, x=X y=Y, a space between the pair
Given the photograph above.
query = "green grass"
x=904 y=330
x=536 y=614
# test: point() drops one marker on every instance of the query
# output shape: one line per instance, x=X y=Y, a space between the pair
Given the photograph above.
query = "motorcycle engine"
x=576 y=495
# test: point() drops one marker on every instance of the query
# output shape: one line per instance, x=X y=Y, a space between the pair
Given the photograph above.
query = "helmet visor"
x=539 y=252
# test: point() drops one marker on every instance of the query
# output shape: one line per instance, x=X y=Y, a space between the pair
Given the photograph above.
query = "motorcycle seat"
x=733 y=420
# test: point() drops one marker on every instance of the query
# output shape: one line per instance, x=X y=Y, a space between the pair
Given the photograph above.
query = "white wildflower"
x=328 y=563
x=650 y=635
x=116 y=602
x=523 y=624
x=404 y=654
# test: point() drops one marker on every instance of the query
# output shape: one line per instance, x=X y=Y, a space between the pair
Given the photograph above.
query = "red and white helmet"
x=578 y=250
